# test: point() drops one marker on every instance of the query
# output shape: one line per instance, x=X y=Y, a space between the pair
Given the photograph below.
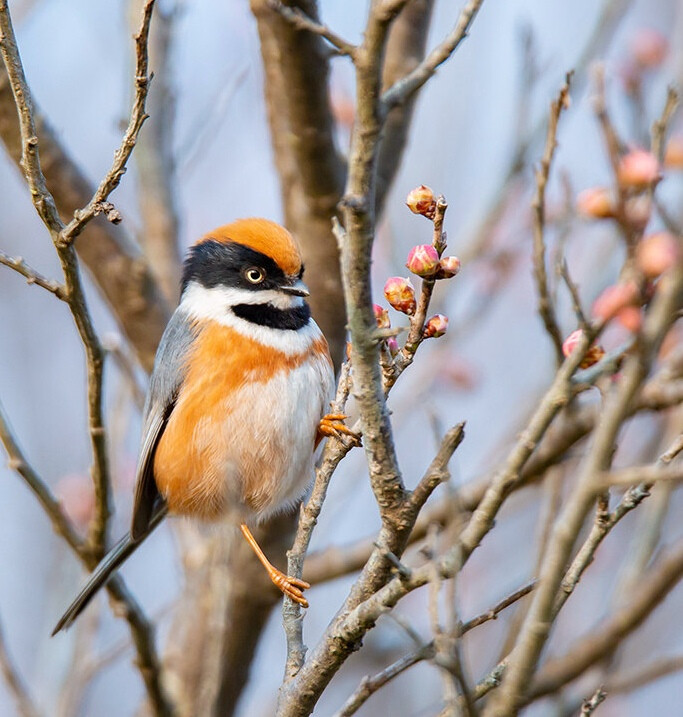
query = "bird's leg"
x=292 y=587
x=331 y=424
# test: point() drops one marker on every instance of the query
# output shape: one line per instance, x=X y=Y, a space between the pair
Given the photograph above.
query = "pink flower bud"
x=392 y=345
x=649 y=48
x=76 y=495
x=657 y=253
x=595 y=203
x=399 y=292
x=673 y=158
x=615 y=298
x=436 y=326
x=381 y=316
x=421 y=200
x=449 y=266
x=593 y=355
x=631 y=318
x=423 y=260
x=638 y=169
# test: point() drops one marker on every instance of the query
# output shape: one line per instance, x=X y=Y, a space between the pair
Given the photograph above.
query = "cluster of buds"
x=424 y=261
x=421 y=200
x=593 y=355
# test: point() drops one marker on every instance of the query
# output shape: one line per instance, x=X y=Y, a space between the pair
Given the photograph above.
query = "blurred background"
x=488 y=370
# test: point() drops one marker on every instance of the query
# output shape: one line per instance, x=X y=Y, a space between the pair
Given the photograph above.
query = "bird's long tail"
x=104 y=570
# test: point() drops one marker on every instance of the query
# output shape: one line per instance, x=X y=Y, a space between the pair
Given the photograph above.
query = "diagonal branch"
x=411 y=83
x=32 y=276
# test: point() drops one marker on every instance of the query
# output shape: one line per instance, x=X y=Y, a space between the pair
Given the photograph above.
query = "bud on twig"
x=656 y=254
x=421 y=200
x=435 y=327
x=381 y=316
x=638 y=169
x=423 y=260
x=400 y=294
x=595 y=203
x=392 y=345
x=449 y=266
x=593 y=355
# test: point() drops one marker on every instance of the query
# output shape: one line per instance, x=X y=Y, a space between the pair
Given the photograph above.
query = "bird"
x=237 y=398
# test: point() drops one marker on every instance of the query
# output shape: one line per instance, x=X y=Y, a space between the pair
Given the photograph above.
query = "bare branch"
x=545 y=303
x=591 y=704
x=122 y=155
x=301 y=21
x=403 y=89
x=25 y=704
x=32 y=276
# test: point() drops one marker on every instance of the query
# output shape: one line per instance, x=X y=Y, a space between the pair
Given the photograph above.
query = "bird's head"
x=249 y=262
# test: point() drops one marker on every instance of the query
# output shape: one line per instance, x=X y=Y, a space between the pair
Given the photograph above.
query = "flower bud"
x=673 y=157
x=638 y=169
x=435 y=327
x=593 y=355
x=77 y=498
x=423 y=260
x=449 y=266
x=657 y=253
x=615 y=298
x=421 y=200
x=631 y=318
x=649 y=48
x=400 y=294
x=595 y=203
x=392 y=345
x=381 y=316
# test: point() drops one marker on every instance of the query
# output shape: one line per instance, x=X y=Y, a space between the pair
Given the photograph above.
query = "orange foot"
x=291 y=587
x=331 y=425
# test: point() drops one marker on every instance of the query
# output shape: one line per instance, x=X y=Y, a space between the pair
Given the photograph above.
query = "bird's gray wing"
x=167 y=378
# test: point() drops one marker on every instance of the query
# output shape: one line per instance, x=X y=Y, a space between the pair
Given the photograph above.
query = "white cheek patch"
x=213 y=304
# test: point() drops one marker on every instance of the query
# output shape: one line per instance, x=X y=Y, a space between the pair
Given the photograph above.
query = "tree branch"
x=32 y=276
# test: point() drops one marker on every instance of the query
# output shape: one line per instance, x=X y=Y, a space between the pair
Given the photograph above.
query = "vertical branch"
x=25 y=705
x=545 y=302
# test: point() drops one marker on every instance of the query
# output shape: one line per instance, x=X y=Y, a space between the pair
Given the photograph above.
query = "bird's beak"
x=298 y=288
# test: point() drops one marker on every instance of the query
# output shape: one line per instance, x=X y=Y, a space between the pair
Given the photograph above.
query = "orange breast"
x=200 y=465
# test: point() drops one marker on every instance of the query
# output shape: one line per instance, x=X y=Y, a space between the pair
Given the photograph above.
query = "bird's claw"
x=332 y=425
x=291 y=587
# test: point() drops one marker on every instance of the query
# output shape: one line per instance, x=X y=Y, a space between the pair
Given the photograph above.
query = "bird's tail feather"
x=104 y=570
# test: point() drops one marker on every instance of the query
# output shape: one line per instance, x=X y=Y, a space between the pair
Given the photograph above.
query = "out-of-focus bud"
x=631 y=318
x=657 y=253
x=423 y=260
x=673 y=157
x=436 y=326
x=631 y=76
x=638 y=169
x=593 y=355
x=421 y=200
x=615 y=298
x=649 y=48
x=392 y=345
x=595 y=203
x=76 y=495
x=399 y=292
x=381 y=316
x=638 y=211
x=449 y=266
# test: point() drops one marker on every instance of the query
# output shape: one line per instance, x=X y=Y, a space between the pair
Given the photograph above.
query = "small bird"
x=237 y=398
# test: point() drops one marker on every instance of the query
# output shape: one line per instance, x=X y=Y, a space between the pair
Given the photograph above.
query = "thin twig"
x=98 y=203
x=590 y=705
x=32 y=276
x=26 y=706
x=545 y=303
x=413 y=81
x=301 y=21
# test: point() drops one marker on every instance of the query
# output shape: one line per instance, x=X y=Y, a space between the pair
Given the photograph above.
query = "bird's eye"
x=255 y=275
